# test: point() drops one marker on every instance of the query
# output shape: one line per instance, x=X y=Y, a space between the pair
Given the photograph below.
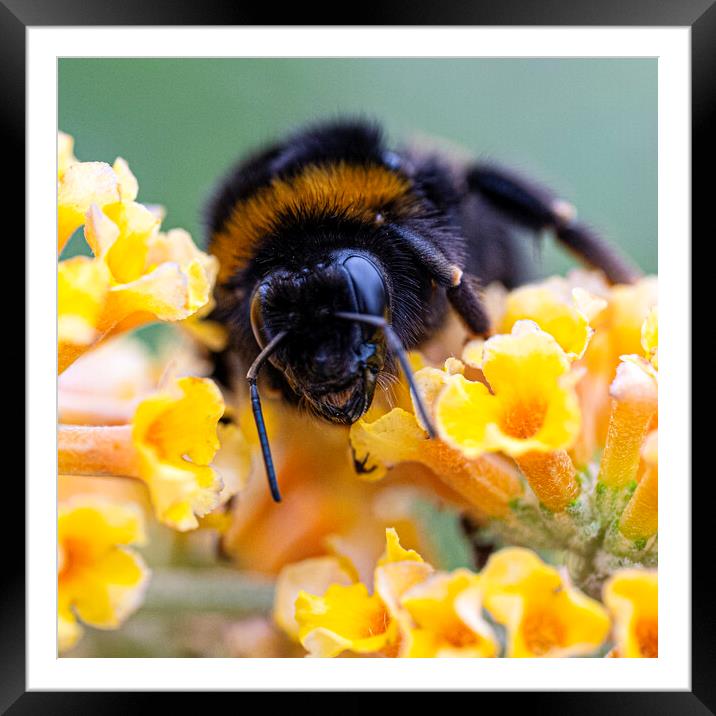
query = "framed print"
x=357 y=333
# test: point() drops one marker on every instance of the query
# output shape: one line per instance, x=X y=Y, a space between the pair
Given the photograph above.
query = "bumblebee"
x=338 y=253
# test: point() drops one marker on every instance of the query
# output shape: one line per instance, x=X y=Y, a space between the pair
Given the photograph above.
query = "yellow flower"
x=473 y=353
x=232 y=463
x=141 y=274
x=530 y=411
x=81 y=185
x=313 y=576
x=82 y=286
x=447 y=612
x=162 y=274
x=344 y=618
x=531 y=405
x=631 y=595
x=415 y=612
x=395 y=552
x=392 y=438
x=397 y=572
x=560 y=311
x=487 y=483
x=100 y=580
x=175 y=435
x=412 y=612
x=392 y=580
x=190 y=463
x=544 y=617
x=138 y=274
x=347 y=617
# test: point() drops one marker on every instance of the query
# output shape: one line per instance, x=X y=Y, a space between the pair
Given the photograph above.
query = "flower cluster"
x=118 y=417
x=547 y=429
x=532 y=516
x=138 y=274
x=516 y=606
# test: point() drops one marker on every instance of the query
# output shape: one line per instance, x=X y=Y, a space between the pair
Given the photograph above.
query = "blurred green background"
x=587 y=127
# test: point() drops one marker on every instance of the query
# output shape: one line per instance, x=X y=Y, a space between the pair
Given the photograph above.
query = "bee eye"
x=368 y=286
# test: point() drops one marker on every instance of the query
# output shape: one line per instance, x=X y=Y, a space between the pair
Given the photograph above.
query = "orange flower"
x=640 y=518
x=618 y=332
x=634 y=394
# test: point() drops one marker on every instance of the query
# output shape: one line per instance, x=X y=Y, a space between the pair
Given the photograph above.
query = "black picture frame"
x=699 y=15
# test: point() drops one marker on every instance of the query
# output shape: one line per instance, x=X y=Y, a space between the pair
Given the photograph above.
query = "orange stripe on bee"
x=352 y=191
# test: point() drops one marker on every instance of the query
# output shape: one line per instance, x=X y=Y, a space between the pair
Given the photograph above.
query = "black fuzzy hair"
x=352 y=140
x=417 y=305
x=451 y=222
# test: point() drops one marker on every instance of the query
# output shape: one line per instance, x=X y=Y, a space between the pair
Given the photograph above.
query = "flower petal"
x=128 y=185
x=447 y=609
x=532 y=407
x=82 y=286
x=395 y=552
x=313 y=576
x=175 y=434
x=345 y=617
x=82 y=184
x=543 y=616
x=393 y=438
x=232 y=461
x=631 y=595
x=463 y=412
x=99 y=579
x=550 y=305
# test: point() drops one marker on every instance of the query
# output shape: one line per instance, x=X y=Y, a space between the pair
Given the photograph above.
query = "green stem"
x=208 y=590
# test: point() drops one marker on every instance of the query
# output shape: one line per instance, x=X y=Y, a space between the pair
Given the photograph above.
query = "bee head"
x=332 y=363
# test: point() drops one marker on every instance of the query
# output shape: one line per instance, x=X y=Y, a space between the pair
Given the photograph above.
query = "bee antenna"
x=252 y=376
x=395 y=345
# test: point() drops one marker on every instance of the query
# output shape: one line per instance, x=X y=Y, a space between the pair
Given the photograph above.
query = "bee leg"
x=444 y=272
x=536 y=208
x=467 y=302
